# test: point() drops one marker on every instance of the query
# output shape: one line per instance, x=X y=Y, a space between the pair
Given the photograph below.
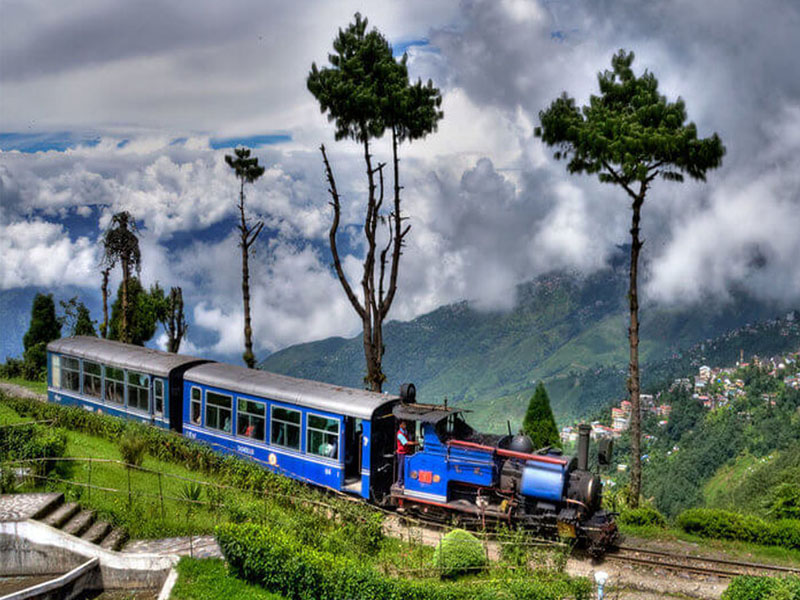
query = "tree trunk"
x=125 y=275
x=104 y=288
x=248 y=356
x=633 y=377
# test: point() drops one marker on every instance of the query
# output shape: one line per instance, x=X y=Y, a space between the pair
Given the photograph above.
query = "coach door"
x=353 y=430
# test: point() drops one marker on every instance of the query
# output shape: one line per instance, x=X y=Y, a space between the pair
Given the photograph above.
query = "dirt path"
x=12 y=389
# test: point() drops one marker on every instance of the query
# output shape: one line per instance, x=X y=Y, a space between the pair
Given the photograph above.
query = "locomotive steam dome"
x=521 y=443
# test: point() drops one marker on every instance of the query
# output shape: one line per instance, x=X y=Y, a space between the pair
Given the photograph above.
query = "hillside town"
x=713 y=387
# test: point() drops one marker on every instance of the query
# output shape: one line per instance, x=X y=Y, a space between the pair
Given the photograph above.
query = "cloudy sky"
x=109 y=106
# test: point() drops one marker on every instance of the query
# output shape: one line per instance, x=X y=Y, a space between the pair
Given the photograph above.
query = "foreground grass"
x=208 y=579
x=40 y=387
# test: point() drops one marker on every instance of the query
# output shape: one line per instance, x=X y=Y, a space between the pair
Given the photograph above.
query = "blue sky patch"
x=252 y=141
x=400 y=47
x=44 y=142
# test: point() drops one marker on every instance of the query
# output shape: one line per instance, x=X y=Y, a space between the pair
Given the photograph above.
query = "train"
x=341 y=438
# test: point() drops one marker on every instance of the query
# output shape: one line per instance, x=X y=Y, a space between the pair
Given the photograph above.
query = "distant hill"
x=569 y=330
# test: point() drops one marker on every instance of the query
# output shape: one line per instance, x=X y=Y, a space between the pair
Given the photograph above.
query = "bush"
x=763 y=588
x=459 y=552
x=29 y=441
x=713 y=523
x=644 y=516
x=132 y=448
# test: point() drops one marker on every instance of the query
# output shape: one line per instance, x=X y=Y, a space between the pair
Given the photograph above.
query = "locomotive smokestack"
x=583 y=447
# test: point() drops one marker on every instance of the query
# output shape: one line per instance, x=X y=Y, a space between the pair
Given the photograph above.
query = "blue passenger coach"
x=119 y=379
x=312 y=431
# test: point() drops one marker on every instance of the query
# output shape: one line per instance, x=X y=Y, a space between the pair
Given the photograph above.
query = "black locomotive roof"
x=425 y=413
x=126 y=356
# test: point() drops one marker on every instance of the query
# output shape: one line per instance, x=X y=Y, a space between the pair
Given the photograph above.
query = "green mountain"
x=566 y=329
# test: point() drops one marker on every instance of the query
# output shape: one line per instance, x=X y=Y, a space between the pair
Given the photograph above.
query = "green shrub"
x=644 y=516
x=713 y=523
x=132 y=448
x=279 y=561
x=459 y=552
x=30 y=441
x=763 y=588
x=785 y=501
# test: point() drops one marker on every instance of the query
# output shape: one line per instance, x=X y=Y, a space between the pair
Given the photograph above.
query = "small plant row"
x=715 y=523
x=275 y=559
x=749 y=587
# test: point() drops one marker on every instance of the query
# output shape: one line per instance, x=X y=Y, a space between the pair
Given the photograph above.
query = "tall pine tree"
x=629 y=136
x=539 y=423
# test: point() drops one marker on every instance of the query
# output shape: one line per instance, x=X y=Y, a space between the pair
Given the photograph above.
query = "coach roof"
x=126 y=356
x=300 y=392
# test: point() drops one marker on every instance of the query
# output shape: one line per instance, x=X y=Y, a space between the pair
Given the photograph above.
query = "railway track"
x=697 y=565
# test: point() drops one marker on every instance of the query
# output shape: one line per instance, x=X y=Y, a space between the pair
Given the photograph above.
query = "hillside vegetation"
x=565 y=329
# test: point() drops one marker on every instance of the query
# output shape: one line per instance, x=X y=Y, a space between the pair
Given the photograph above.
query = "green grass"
x=208 y=579
x=40 y=387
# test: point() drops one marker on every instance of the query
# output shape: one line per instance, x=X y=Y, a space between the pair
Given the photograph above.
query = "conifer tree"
x=247 y=170
x=539 y=423
x=629 y=135
x=44 y=328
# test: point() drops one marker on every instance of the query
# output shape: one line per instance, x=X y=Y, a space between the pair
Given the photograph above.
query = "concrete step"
x=115 y=540
x=62 y=514
x=97 y=532
x=50 y=503
x=79 y=523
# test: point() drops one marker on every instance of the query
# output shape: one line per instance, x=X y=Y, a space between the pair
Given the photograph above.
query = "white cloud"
x=38 y=253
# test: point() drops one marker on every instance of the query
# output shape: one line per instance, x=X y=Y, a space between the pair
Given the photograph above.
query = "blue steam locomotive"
x=339 y=438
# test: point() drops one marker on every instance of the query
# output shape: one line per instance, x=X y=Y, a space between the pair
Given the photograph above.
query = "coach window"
x=158 y=396
x=115 y=385
x=92 y=379
x=196 y=408
x=70 y=374
x=218 y=411
x=322 y=436
x=250 y=419
x=286 y=427
x=55 y=367
x=139 y=391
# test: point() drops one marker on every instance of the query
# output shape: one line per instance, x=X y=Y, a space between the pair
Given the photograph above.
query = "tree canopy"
x=143 y=313
x=77 y=318
x=630 y=133
x=539 y=423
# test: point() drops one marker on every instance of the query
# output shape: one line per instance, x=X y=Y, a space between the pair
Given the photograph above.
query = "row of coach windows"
x=67 y=375
x=322 y=433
